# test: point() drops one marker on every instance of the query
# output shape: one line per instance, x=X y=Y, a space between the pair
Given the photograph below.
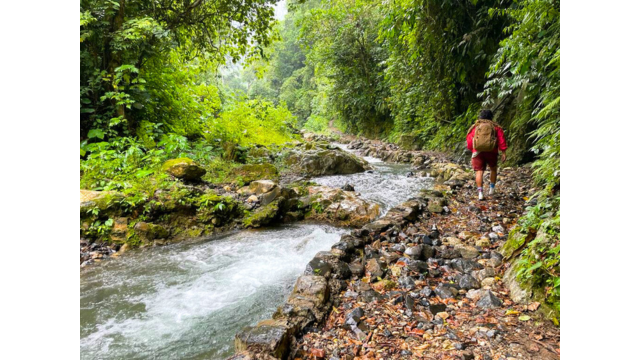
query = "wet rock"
x=488 y=301
x=342 y=207
x=326 y=162
x=348 y=187
x=184 y=168
x=378 y=226
x=270 y=336
x=468 y=282
x=318 y=267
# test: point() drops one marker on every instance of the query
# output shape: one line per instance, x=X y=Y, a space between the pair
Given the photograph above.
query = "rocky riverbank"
x=425 y=281
x=254 y=195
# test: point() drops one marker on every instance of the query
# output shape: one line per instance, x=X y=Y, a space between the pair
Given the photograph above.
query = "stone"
x=311 y=288
x=252 y=199
x=488 y=282
x=414 y=252
x=406 y=282
x=489 y=301
x=468 y=282
x=475 y=294
x=383 y=285
x=483 y=274
x=318 y=267
x=437 y=308
x=418 y=266
x=344 y=208
x=261 y=186
x=452 y=241
x=184 y=169
x=270 y=336
x=484 y=242
x=325 y=162
x=448 y=253
x=348 y=187
x=434 y=207
x=428 y=251
x=465 y=265
x=356 y=269
x=444 y=292
x=468 y=252
x=374 y=268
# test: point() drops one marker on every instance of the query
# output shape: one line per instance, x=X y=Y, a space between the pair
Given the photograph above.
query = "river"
x=187 y=300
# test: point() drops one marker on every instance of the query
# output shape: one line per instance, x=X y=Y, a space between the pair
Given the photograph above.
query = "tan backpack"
x=485 y=138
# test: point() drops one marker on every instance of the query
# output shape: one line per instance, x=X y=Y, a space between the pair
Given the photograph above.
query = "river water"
x=187 y=300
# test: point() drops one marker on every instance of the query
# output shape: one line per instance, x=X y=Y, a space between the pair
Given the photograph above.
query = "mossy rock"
x=264 y=215
x=251 y=172
x=107 y=202
x=184 y=168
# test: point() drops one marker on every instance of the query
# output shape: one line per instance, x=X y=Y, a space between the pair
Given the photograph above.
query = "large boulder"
x=341 y=207
x=326 y=162
x=184 y=168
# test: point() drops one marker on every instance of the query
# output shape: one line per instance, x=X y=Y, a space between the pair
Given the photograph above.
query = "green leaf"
x=95 y=133
x=524 y=318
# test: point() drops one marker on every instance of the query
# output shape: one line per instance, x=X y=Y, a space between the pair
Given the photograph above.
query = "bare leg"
x=479 y=175
x=494 y=174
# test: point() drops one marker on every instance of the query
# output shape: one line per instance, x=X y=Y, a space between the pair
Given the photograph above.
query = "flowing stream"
x=187 y=300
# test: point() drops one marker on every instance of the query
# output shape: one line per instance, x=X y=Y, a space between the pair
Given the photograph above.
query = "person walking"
x=485 y=138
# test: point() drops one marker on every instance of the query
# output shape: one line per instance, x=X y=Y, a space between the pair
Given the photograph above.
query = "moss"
x=106 y=203
x=264 y=215
x=251 y=172
x=515 y=240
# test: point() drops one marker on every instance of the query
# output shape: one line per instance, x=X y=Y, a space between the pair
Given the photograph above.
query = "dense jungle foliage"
x=161 y=79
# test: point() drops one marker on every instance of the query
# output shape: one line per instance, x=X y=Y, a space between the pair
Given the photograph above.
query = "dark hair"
x=486 y=114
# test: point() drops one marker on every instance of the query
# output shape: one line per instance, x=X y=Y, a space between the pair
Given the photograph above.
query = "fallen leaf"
x=524 y=318
x=533 y=306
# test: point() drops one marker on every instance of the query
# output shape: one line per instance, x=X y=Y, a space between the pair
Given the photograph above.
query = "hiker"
x=484 y=139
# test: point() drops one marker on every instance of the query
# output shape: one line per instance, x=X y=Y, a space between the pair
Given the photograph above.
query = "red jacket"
x=502 y=142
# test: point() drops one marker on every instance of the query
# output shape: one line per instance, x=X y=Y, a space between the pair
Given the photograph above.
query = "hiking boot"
x=480 y=196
